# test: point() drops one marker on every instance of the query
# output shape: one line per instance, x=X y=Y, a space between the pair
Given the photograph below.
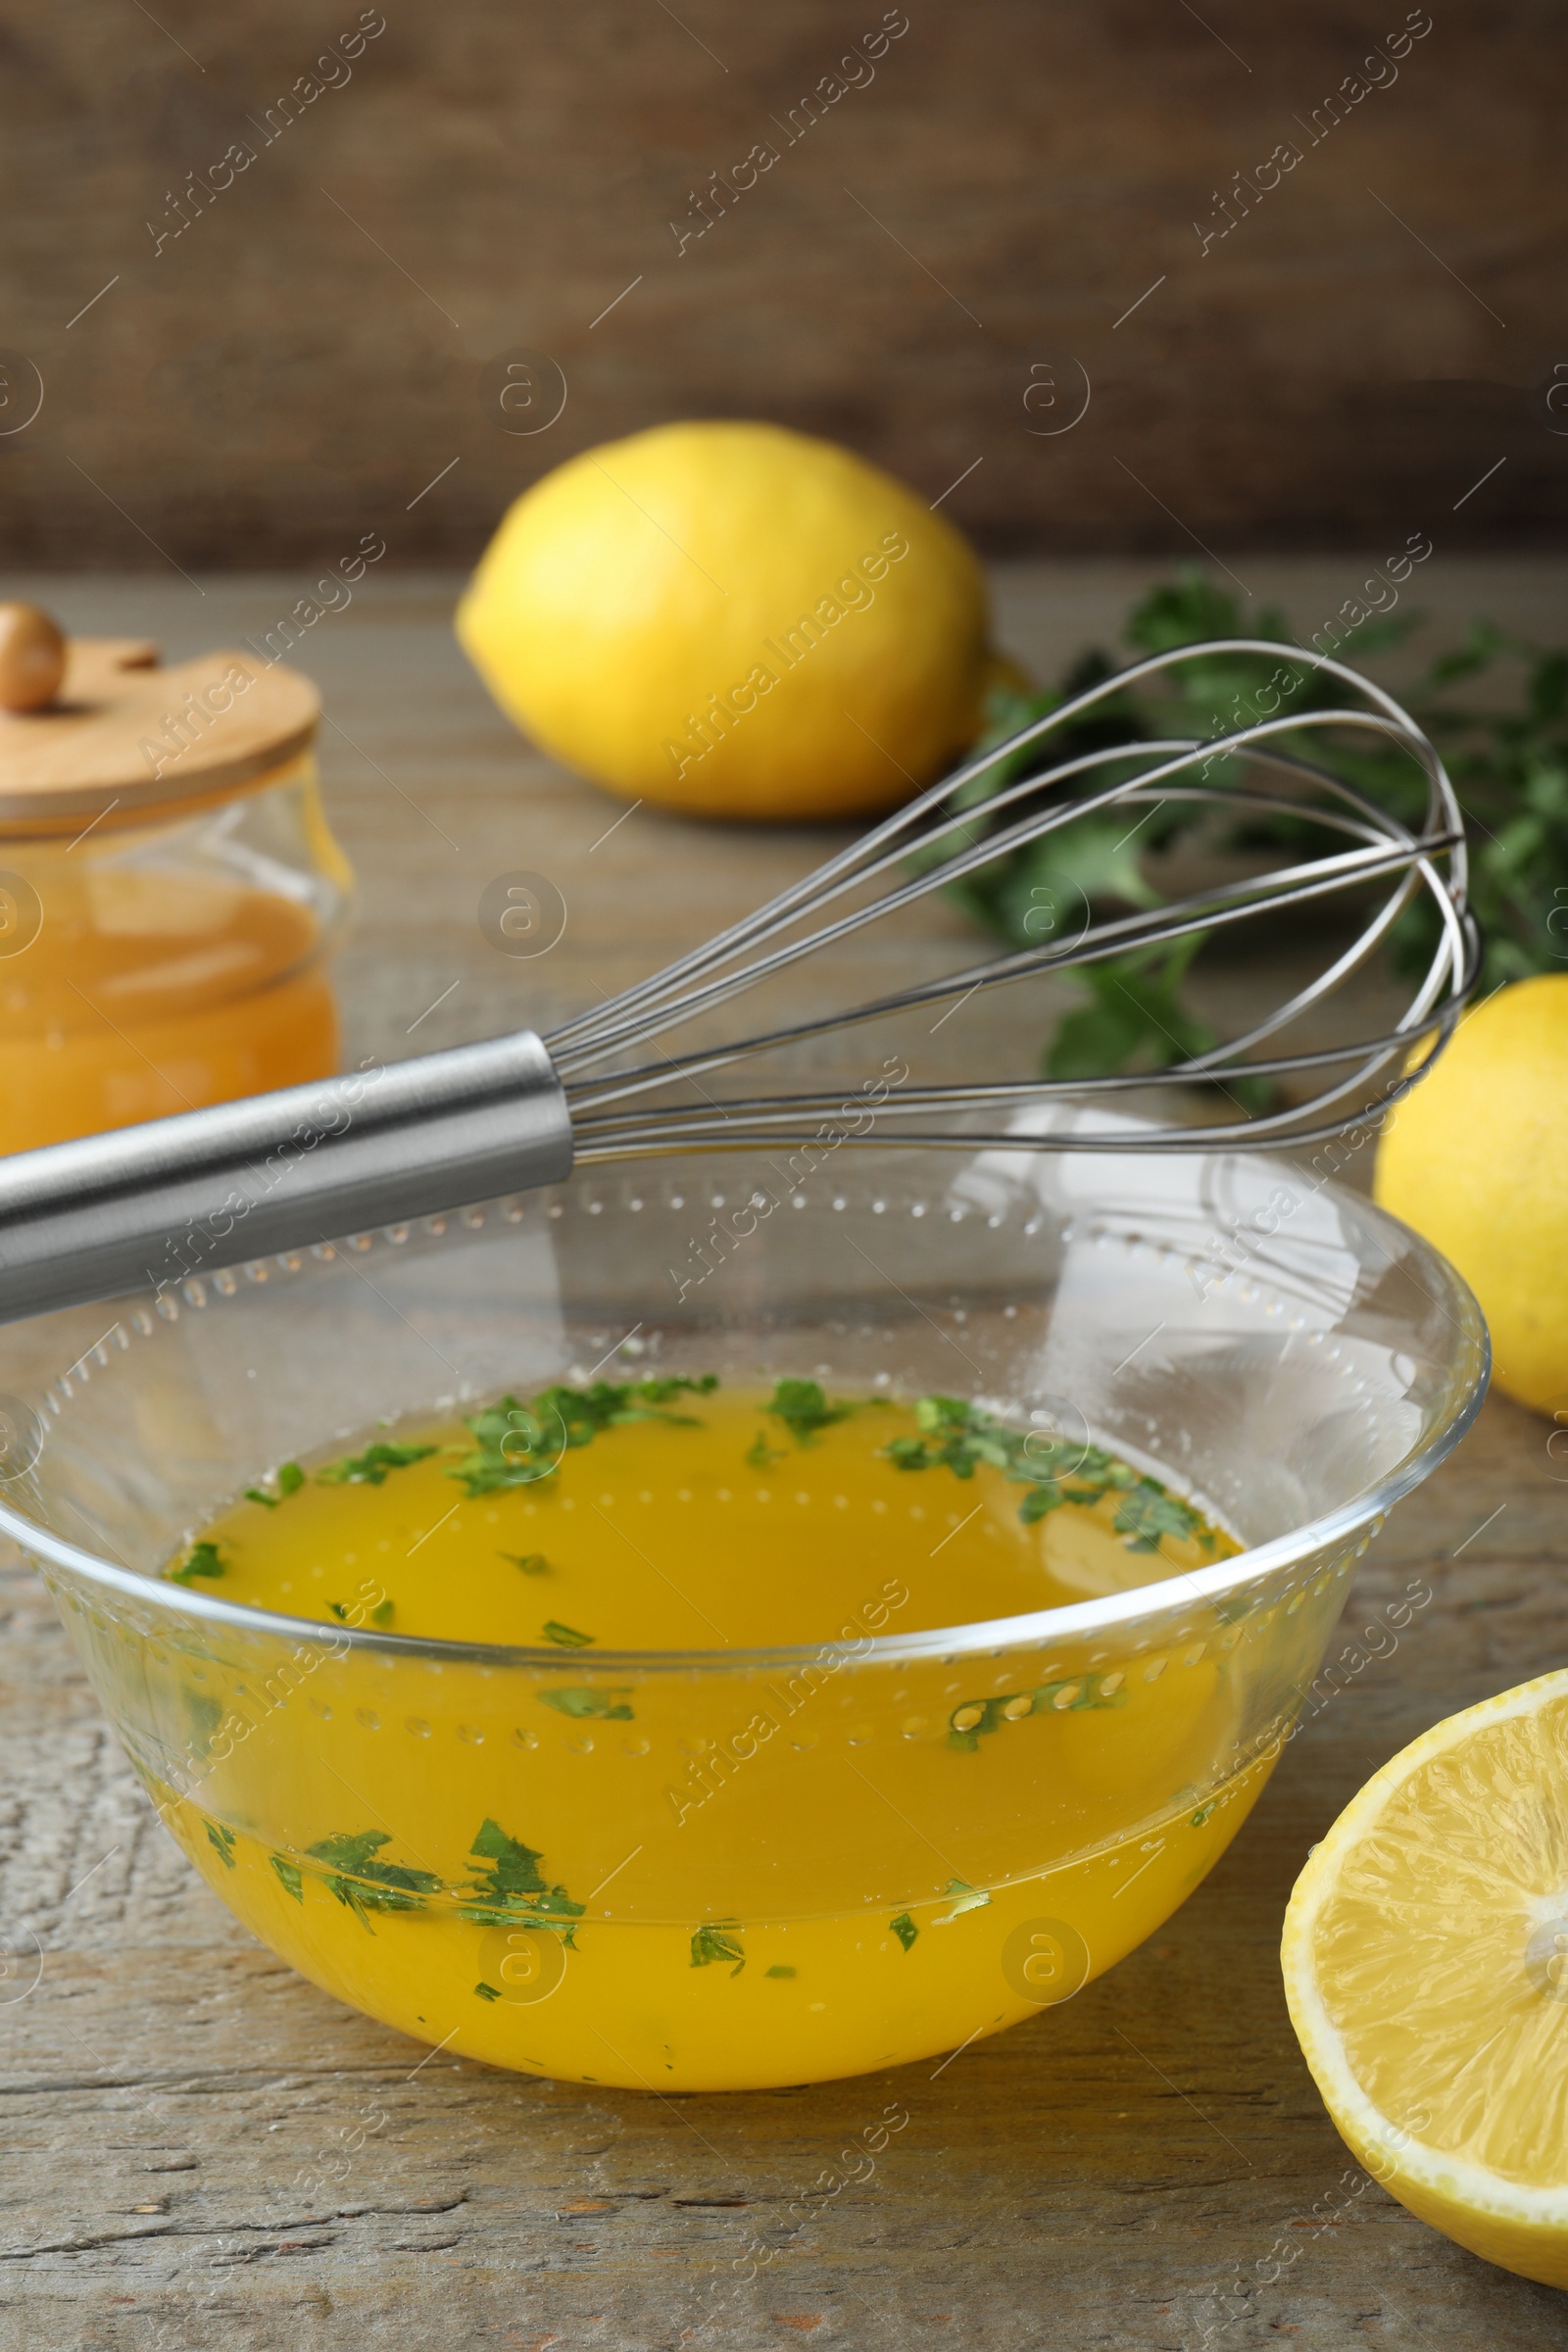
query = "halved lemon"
x=1426 y=1968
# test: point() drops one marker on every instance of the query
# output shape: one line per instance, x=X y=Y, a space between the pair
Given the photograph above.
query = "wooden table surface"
x=201 y=2150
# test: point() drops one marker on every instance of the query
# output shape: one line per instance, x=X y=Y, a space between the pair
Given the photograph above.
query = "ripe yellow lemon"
x=1426 y=1968
x=1477 y=1159
x=733 y=620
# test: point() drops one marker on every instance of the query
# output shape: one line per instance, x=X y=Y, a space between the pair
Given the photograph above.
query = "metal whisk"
x=151 y=1205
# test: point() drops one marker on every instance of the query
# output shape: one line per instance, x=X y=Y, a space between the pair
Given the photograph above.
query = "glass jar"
x=168 y=947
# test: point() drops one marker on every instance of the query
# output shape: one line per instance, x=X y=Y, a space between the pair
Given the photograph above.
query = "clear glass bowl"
x=794 y=1864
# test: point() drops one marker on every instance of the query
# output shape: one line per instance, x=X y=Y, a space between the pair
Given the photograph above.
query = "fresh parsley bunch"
x=1509 y=765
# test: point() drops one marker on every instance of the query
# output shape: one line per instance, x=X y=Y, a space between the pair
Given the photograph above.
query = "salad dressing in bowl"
x=169 y=892
x=557 y=1754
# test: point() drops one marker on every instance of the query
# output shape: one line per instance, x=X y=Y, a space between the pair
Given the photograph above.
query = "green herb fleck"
x=487 y=1993
x=1040 y=1500
x=803 y=1409
x=515 y=1445
x=205 y=1714
x=513 y=1890
x=609 y=1704
x=1150 y=1512
x=971 y=1720
x=957 y=1435
x=904 y=1928
x=778 y=1971
x=566 y=1637
x=759 y=1455
x=221 y=1838
x=532 y=1563
x=289 y=1878
x=352 y=1859
x=370 y=1468
x=289 y=1480
x=382 y=1613
x=963 y=1897
x=202 y=1559
x=713 y=1941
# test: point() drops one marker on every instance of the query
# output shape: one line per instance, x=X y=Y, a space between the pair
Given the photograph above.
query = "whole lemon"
x=1477 y=1160
x=734 y=619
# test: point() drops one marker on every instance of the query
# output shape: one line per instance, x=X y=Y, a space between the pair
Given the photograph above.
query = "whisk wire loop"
x=869 y=852
x=946 y=836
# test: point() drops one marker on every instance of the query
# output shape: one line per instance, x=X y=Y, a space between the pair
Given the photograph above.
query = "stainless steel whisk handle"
x=143 y=1208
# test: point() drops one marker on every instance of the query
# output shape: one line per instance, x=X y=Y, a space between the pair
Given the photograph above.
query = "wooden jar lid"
x=124 y=736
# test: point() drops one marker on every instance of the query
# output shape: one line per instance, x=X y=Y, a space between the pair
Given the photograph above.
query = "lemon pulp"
x=686 y=1877
x=1426 y=1959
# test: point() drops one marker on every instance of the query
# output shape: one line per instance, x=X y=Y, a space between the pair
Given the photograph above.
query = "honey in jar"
x=168 y=889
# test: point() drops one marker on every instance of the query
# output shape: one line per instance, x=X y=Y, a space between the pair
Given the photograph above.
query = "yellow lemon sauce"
x=148 y=993
x=643 y=1871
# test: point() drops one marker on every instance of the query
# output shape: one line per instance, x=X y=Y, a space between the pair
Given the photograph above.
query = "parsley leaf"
x=779 y=1970
x=202 y=1559
x=221 y=1838
x=971 y=1720
x=803 y=1409
x=362 y=1882
x=290 y=1877
x=1150 y=1512
x=904 y=1928
x=513 y=1890
x=759 y=1455
x=715 y=1941
x=514 y=1867
x=566 y=1637
x=289 y=1480
x=532 y=1563
x=370 y=1468
x=486 y=1992
x=957 y=1435
x=964 y=1897
x=609 y=1705
x=515 y=1445
x=660 y=1392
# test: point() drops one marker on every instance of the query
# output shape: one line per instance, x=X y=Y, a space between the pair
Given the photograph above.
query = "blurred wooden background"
x=1009 y=195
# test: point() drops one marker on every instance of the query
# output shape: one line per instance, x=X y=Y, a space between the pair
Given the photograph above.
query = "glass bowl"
x=741 y=1868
